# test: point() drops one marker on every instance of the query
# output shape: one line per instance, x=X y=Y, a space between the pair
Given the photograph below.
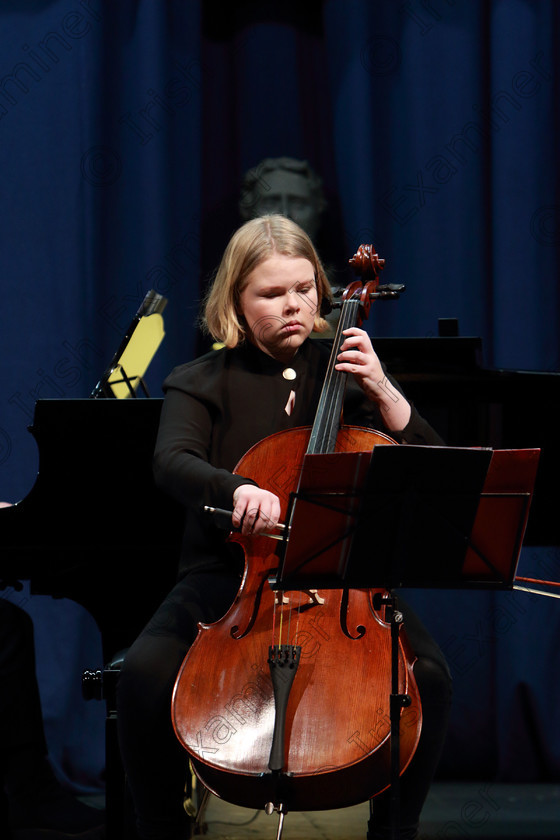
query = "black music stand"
x=124 y=374
x=411 y=516
x=408 y=516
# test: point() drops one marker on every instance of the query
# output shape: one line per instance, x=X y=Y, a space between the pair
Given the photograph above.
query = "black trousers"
x=21 y=719
x=156 y=763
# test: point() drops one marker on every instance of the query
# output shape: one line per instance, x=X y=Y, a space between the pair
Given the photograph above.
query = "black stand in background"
x=423 y=517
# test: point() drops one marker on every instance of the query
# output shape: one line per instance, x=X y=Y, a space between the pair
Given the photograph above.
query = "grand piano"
x=94 y=527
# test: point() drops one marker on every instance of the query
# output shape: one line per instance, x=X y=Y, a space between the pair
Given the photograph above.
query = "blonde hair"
x=254 y=242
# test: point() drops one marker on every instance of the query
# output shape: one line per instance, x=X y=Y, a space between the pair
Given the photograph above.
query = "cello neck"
x=327 y=418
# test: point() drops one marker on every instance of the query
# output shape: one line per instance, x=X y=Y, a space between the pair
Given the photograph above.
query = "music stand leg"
x=397 y=702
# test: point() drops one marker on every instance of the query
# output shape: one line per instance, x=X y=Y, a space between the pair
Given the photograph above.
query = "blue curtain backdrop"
x=125 y=131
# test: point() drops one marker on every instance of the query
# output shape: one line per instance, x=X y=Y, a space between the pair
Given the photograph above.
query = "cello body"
x=337 y=723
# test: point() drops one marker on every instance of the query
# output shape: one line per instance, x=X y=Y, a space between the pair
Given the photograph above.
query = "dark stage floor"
x=475 y=810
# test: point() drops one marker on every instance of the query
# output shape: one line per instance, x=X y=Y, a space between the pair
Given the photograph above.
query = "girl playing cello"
x=263 y=305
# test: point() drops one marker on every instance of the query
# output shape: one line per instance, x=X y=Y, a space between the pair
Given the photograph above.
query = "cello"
x=283 y=703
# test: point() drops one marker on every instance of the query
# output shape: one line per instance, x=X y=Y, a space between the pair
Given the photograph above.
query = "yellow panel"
x=137 y=355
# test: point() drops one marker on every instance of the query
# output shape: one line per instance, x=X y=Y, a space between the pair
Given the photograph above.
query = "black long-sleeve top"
x=220 y=405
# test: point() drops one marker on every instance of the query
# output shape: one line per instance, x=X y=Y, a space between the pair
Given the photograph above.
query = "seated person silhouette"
x=33 y=803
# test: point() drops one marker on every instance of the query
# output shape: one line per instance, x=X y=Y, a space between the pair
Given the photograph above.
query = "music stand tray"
x=408 y=516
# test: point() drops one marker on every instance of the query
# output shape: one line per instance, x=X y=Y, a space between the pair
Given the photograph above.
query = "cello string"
x=298 y=615
x=289 y=630
x=273 y=629
x=337 y=380
x=332 y=382
x=330 y=401
x=317 y=433
x=333 y=414
x=281 y=622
